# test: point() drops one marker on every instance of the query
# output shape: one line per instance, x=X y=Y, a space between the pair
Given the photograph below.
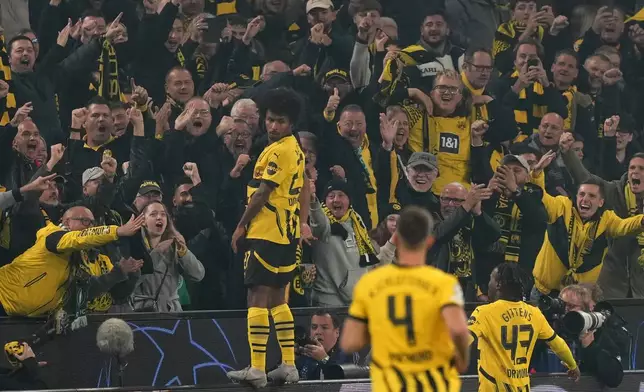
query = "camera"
x=579 y=322
x=302 y=337
x=552 y=307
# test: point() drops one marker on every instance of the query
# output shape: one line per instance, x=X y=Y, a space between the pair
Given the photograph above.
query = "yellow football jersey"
x=507 y=333
x=410 y=344
x=282 y=164
x=449 y=140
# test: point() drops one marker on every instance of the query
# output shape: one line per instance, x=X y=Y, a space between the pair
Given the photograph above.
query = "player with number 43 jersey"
x=507 y=330
x=412 y=314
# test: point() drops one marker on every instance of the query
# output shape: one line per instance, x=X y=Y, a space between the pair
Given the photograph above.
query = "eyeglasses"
x=85 y=221
x=481 y=68
x=451 y=200
x=443 y=89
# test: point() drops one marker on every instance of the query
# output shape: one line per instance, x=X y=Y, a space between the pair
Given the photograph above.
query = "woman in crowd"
x=172 y=261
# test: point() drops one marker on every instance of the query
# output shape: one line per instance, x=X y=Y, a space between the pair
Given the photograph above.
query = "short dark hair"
x=415 y=225
x=16 y=39
x=512 y=281
x=639 y=155
x=523 y=148
x=567 y=52
x=470 y=52
x=283 y=102
x=115 y=105
x=529 y=41
x=91 y=13
x=365 y=5
x=513 y=3
x=435 y=11
x=335 y=320
x=598 y=182
x=237 y=20
x=98 y=100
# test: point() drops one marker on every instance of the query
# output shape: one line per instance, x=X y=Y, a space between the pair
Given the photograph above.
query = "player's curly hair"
x=512 y=281
x=283 y=102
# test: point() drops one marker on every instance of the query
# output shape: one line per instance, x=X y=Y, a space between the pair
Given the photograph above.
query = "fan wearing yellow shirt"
x=507 y=330
x=412 y=315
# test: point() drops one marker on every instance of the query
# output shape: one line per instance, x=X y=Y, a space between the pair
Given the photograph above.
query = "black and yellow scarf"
x=508 y=35
x=525 y=111
x=479 y=112
x=508 y=217
x=635 y=209
x=107 y=85
x=569 y=94
x=363 y=241
x=364 y=156
x=9 y=108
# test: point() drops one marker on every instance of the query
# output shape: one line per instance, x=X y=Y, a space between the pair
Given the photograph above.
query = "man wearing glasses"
x=37 y=281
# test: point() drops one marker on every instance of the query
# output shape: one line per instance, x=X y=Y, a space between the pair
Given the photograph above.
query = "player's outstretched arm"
x=561 y=349
x=456 y=322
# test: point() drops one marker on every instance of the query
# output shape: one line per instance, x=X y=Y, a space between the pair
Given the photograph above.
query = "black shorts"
x=269 y=264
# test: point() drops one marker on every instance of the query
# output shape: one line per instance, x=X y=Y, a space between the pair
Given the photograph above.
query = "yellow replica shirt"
x=34 y=283
x=573 y=248
x=101 y=266
x=449 y=140
x=282 y=164
x=411 y=345
x=506 y=333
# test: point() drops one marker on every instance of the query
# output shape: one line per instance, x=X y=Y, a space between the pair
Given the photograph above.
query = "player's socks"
x=284 y=326
x=258 y=331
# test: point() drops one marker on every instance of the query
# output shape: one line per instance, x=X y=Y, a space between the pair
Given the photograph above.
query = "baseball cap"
x=313 y=4
x=423 y=159
x=516 y=159
x=336 y=73
x=92 y=173
x=149 y=186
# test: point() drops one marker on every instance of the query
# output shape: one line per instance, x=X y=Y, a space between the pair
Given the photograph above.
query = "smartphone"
x=533 y=63
x=215 y=27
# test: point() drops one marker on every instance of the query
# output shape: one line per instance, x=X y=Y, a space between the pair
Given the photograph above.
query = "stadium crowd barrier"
x=198 y=348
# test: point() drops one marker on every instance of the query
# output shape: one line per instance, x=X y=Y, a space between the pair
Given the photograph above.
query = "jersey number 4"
x=407 y=320
x=511 y=343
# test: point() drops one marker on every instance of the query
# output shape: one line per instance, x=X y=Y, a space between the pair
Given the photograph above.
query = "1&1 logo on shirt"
x=449 y=143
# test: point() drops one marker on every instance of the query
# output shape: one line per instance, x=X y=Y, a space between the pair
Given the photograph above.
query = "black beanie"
x=337 y=185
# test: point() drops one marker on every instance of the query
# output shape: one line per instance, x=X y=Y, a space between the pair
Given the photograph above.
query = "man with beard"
x=327 y=46
x=96 y=118
x=206 y=238
x=577 y=236
x=622 y=273
x=462 y=230
x=557 y=178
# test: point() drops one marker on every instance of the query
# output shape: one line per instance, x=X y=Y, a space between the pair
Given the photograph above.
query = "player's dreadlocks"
x=512 y=281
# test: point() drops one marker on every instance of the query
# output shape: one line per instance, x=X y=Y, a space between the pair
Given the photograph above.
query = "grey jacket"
x=359 y=69
x=474 y=22
x=7 y=199
x=337 y=261
x=178 y=268
x=621 y=270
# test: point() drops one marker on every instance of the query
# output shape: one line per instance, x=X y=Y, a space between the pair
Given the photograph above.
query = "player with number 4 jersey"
x=412 y=315
x=507 y=330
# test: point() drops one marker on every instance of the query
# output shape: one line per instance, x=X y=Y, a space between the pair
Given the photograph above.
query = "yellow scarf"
x=364 y=154
x=363 y=241
x=7 y=112
x=633 y=209
x=569 y=94
x=479 y=112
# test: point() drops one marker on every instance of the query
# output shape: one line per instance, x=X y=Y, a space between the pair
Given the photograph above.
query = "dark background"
x=191 y=347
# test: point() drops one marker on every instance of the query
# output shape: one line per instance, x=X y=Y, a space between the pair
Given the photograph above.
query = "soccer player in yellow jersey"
x=507 y=330
x=271 y=225
x=412 y=315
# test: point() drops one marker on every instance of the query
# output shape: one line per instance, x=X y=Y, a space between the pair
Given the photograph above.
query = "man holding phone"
x=528 y=91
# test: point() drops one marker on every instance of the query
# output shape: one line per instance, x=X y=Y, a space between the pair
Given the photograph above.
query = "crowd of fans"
x=130 y=130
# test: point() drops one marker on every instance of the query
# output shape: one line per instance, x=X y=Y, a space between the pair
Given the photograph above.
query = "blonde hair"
x=582 y=292
x=449 y=74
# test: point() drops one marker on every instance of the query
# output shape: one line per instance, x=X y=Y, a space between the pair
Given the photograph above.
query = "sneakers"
x=284 y=374
x=250 y=375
